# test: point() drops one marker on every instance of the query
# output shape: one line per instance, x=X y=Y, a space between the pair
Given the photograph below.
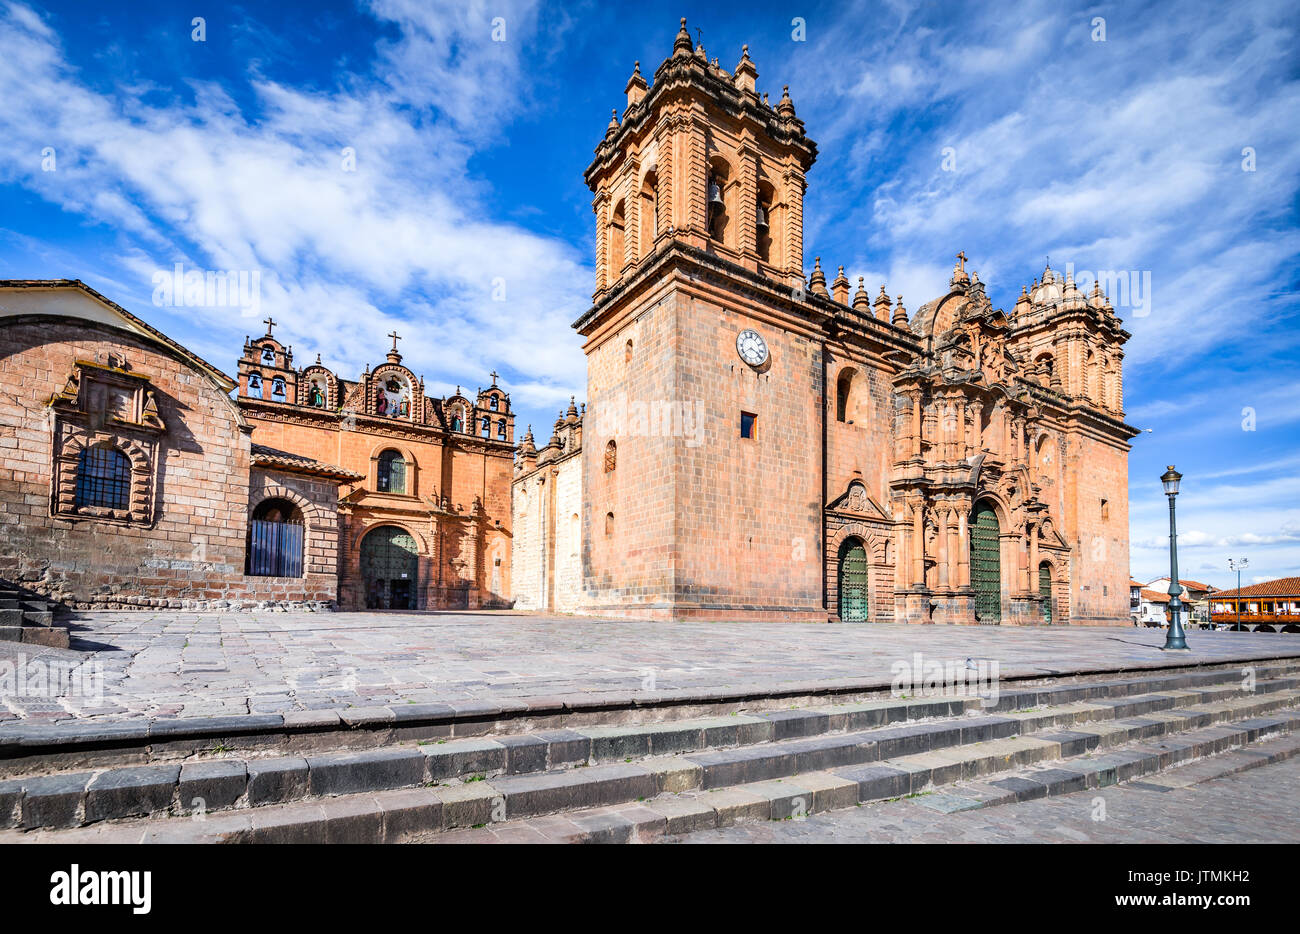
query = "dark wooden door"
x=853 y=583
x=986 y=565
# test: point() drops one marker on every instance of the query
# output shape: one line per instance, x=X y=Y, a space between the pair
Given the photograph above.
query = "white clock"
x=751 y=347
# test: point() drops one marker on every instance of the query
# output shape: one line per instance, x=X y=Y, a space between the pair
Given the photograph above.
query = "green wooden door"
x=1045 y=590
x=986 y=565
x=388 y=567
x=853 y=582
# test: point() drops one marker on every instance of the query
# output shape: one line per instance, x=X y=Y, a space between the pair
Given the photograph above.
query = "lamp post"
x=1237 y=566
x=1175 y=640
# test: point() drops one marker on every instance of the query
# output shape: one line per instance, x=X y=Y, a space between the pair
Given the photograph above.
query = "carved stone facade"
x=817 y=454
x=424 y=518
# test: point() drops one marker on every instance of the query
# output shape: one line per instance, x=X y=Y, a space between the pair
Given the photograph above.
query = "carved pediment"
x=856 y=501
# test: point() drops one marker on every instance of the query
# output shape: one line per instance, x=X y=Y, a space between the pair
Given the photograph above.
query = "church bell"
x=715 y=194
x=762 y=217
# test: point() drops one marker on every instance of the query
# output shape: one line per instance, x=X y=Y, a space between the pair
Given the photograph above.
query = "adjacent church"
x=134 y=473
x=760 y=445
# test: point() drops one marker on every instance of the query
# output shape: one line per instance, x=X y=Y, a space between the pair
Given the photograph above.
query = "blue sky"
x=1124 y=154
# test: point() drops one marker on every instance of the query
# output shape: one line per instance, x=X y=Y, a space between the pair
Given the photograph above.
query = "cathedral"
x=762 y=444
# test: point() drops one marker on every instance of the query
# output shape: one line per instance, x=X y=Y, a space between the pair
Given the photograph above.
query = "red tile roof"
x=1154 y=596
x=1282 y=587
x=296 y=463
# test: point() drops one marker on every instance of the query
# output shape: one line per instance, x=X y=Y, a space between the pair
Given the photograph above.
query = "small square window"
x=748 y=424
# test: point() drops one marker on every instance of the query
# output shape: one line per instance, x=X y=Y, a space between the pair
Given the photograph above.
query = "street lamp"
x=1237 y=566
x=1175 y=640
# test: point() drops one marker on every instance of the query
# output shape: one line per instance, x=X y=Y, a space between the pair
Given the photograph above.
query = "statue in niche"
x=316 y=397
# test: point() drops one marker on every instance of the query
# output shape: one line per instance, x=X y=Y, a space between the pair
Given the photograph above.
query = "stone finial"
x=861 y=301
x=1098 y=298
x=882 y=305
x=900 y=313
x=682 y=45
x=785 y=106
x=840 y=287
x=613 y=123
x=572 y=413
x=636 y=86
x=817 y=283
x=746 y=75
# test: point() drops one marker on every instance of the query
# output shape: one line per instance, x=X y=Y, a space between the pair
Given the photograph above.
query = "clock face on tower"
x=751 y=347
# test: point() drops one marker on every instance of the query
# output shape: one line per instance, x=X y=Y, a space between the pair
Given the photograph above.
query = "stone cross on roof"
x=396 y=337
x=270 y=323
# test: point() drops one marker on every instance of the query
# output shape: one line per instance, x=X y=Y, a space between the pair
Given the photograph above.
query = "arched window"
x=627 y=352
x=277 y=389
x=501 y=429
x=649 y=223
x=611 y=457
x=275 y=540
x=616 y=254
x=492 y=403
x=609 y=524
x=254 y=386
x=485 y=427
x=103 y=479
x=392 y=472
x=844 y=408
x=268 y=355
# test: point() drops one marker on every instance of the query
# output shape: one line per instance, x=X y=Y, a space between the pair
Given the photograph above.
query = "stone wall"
x=191 y=552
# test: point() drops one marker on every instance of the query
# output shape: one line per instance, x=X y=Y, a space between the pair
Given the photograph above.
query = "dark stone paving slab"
x=372 y=667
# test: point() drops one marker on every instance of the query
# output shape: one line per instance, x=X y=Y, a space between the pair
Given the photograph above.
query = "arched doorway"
x=986 y=564
x=275 y=540
x=853 y=582
x=388 y=568
x=1045 y=590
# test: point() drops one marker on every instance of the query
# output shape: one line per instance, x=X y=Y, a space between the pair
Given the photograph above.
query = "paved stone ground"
x=1258 y=806
x=162 y=664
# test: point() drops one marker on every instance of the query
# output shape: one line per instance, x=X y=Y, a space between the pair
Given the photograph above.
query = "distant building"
x=1270 y=606
x=1195 y=598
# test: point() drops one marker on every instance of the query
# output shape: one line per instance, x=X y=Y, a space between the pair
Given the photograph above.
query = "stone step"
x=37 y=613
x=74 y=745
x=9 y=603
x=475 y=813
x=662 y=817
x=527 y=776
x=10 y=617
x=10 y=633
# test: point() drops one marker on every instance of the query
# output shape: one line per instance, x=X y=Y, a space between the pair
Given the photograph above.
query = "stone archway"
x=854 y=606
x=986 y=563
x=389 y=568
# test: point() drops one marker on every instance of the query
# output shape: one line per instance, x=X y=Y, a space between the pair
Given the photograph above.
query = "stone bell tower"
x=700 y=459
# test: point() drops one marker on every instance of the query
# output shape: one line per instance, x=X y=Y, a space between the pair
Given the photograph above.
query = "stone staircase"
x=629 y=781
x=28 y=618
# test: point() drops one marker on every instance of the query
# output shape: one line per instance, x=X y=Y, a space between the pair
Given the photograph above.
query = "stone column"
x=916 y=425
x=793 y=247
x=918 y=543
x=946 y=555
